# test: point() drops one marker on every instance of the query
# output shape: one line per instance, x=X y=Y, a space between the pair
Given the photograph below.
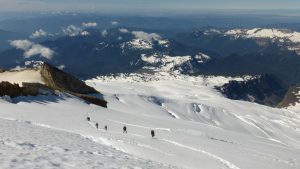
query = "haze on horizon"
x=146 y=6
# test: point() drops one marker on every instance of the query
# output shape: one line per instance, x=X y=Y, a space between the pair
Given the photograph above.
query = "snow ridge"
x=286 y=38
x=265 y=33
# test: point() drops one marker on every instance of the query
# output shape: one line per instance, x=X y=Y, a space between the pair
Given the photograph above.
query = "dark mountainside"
x=266 y=90
x=283 y=65
x=291 y=98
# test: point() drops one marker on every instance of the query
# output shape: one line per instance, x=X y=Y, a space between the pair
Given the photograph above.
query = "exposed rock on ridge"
x=59 y=80
x=54 y=79
x=291 y=98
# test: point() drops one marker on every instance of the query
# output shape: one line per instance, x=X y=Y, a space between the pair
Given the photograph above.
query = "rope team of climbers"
x=152 y=132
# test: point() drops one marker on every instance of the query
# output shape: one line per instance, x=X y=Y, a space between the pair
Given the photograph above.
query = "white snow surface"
x=29 y=76
x=28 y=145
x=195 y=127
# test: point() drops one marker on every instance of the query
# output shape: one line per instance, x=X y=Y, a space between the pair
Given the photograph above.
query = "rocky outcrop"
x=12 y=90
x=266 y=90
x=54 y=79
x=291 y=98
x=34 y=89
x=59 y=80
x=27 y=89
x=2 y=70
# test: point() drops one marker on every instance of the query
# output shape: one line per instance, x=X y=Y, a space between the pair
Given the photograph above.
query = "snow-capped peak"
x=201 y=57
x=144 y=40
x=138 y=44
x=172 y=64
x=212 y=31
x=282 y=36
x=165 y=63
x=265 y=33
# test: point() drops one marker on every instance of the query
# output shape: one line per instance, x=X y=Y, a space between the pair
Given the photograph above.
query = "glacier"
x=195 y=126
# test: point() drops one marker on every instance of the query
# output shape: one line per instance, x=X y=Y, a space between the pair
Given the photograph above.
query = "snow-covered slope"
x=32 y=76
x=196 y=127
x=27 y=145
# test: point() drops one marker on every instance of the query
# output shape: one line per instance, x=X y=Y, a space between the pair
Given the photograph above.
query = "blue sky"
x=144 y=5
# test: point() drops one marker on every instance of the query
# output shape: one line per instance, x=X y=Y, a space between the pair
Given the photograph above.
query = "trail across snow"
x=203 y=130
x=24 y=145
x=227 y=163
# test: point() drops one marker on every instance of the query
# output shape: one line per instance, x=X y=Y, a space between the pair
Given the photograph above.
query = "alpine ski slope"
x=195 y=127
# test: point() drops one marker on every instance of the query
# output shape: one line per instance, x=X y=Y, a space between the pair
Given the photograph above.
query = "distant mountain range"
x=257 y=51
x=208 y=51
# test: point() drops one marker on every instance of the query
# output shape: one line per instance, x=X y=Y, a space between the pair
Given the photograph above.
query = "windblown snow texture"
x=195 y=127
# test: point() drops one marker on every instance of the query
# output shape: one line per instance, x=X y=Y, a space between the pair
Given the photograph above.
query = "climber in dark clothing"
x=125 y=129
x=152 y=133
x=105 y=127
x=97 y=125
x=88 y=118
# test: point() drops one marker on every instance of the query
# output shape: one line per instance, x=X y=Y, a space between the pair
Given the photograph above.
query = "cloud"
x=31 y=49
x=21 y=44
x=146 y=36
x=123 y=30
x=75 y=31
x=39 y=50
x=38 y=34
x=61 y=67
x=89 y=24
x=104 y=33
x=114 y=23
x=72 y=30
x=84 y=33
